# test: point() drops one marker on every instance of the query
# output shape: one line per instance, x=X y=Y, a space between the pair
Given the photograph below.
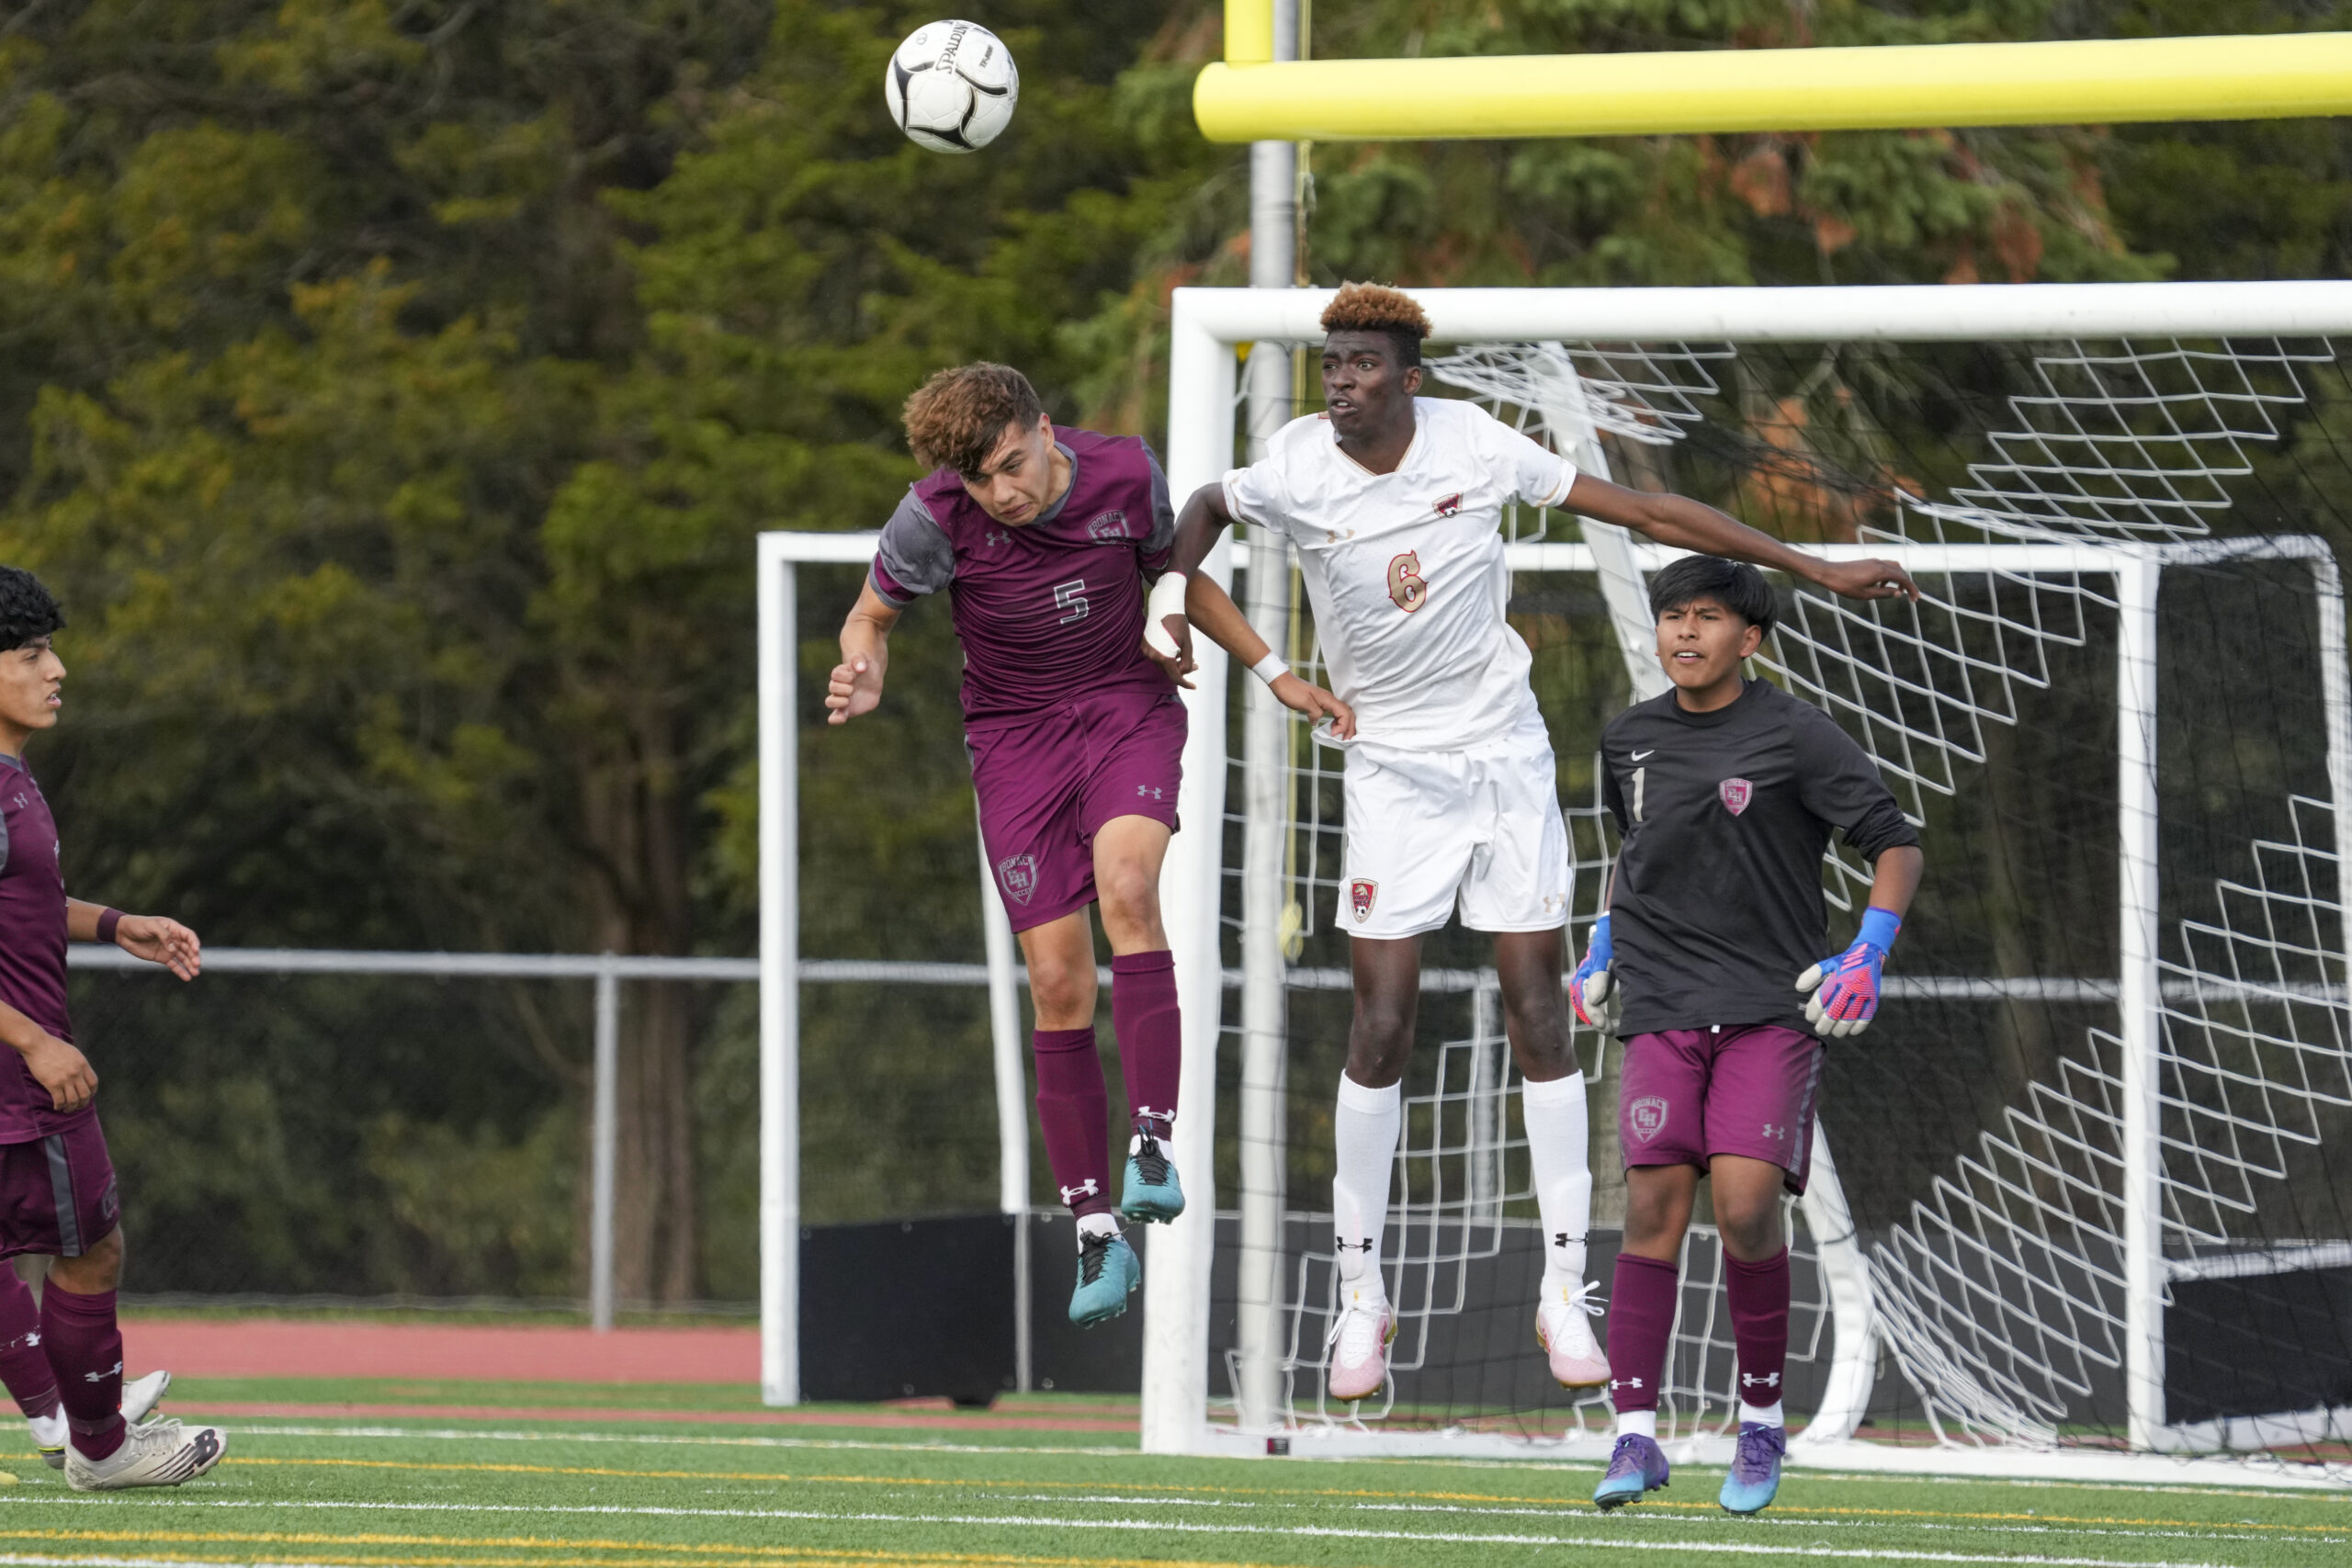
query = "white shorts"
x=1426 y=830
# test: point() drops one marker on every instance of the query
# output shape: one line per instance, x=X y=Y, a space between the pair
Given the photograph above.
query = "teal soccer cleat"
x=1107 y=1274
x=1754 y=1478
x=1637 y=1465
x=1151 y=1194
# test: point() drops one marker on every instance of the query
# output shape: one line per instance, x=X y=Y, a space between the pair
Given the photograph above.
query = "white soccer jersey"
x=1405 y=571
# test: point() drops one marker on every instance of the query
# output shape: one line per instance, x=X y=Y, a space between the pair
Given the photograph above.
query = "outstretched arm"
x=1209 y=606
x=154 y=938
x=1687 y=524
x=855 y=684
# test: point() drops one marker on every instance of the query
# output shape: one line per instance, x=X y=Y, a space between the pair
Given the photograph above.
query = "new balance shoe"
x=1755 y=1477
x=1359 y=1342
x=1151 y=1194
x=139 y=1401
x=161 y=1453
x=1563 y=1328
x=1108 y=1273
x=1637 y=1465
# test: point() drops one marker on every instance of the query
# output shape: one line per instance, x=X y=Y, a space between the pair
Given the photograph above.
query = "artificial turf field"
x=638 y=1476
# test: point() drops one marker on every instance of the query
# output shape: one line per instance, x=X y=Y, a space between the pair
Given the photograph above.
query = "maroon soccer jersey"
x=1049 y=610
x=32 y=948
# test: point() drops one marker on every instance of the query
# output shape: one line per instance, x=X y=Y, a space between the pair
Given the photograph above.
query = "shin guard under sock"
x=1074 y=1109
x=1557 y=1139
x=84 y=1345
x=1759 y=1329
x=1364 y=1134
x=24 y=1365
x=1151 y=1038
x=1642 y=1300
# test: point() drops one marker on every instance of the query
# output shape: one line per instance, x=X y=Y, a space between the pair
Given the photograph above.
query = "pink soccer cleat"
x=1563 y=1328
x=1360 y=1337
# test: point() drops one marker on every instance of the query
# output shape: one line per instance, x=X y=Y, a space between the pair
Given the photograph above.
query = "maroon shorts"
x=1048 y=781
x=57 y=1194
x=1747 y=1090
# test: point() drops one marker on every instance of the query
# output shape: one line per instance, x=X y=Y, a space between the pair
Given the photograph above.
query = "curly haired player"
x=1043 y=535
x=1394 y=503
x=57 y=1187
x=1726 y=791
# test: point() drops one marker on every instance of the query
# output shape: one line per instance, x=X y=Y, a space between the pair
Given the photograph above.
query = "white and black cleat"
x=139 y=1401
x=162 y=1452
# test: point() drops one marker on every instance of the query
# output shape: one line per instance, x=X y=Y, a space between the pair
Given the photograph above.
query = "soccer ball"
x=952 y=87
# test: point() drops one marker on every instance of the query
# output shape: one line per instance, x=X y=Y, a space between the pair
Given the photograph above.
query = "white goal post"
x=1212 y=326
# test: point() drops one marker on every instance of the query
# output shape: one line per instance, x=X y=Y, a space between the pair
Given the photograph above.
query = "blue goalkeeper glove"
x=1592 y=990
x=1845 y=988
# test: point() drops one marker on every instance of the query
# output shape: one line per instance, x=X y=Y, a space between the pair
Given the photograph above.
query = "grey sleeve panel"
x=915 y=556
x=1163 y=507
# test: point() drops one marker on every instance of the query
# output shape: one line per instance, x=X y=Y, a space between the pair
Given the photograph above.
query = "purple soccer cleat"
x=1637 y=1465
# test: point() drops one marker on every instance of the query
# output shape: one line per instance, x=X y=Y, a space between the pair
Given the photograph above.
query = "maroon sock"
x=1075 y=1110
x=24 y=1365
x=1641 y=1323
x=1151 y=1035
x=84 y=1345
x=1759 y=1323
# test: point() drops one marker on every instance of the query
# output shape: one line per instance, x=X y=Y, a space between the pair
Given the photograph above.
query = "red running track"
x=270 y=1348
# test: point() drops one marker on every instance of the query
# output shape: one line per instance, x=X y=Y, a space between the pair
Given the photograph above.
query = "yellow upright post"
x=1249 y=32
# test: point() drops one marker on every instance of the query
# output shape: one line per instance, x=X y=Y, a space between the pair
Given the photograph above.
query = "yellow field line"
x=2009 y=1517
x=697 y=1554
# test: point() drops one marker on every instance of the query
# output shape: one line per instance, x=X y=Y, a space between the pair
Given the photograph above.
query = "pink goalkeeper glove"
x=1845 y=988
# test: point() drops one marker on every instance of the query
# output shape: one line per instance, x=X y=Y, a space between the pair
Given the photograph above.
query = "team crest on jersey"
x=1019 y=874
x=1736 y=793
x=1110 y=525
x=1360 y=893
x=1450 y=504
x=1646 y=1117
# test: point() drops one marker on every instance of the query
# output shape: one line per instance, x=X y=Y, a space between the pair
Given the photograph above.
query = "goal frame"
x=1211 y=327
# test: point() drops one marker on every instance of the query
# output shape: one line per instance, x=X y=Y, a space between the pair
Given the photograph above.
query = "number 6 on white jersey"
x=1406 y=586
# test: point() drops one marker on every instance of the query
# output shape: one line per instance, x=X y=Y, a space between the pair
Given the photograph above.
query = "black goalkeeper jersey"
x=1718 y=906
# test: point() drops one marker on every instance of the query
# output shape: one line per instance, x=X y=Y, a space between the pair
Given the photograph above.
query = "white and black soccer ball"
x=952 y=87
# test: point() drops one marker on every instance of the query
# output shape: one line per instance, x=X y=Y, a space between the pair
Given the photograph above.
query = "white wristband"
x=1271 y=669
x=1166 y=599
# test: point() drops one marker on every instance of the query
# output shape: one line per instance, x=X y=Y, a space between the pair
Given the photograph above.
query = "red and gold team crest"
x=1360 y=893
x=1646 y=1118
x=1736 y=793
x=1019 y=873
x=1450 y=504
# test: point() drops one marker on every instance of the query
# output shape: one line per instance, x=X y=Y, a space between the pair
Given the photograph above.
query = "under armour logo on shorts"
x=1647 y=1116
x=1736 y=794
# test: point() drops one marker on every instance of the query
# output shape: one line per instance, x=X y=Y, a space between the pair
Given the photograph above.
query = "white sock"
x=1637 y=1424
x=1554 y=1113
x=1096 y=1224
x=1763 y=1414
x=1364 y=1131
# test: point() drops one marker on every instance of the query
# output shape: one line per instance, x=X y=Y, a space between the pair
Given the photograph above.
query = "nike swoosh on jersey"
x=1639 y=755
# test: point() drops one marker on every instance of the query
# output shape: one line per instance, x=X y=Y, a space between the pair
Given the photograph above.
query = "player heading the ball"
x=1726 y=791
x=1043 y=535
x=1394 y=503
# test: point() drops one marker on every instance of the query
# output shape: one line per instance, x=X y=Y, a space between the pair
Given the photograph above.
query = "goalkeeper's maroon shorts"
x=1749 y=1089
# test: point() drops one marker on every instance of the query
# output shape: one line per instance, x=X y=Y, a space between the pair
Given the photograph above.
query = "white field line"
x=670 y=1439
x=1321 y=1532
x=1589 y=1467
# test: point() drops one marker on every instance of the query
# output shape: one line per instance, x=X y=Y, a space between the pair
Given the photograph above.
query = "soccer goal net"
x=2087 y=1185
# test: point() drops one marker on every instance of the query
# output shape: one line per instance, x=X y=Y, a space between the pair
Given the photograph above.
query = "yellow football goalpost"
x=1252 y=97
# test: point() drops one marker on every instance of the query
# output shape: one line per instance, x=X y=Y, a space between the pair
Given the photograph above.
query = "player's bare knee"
x=1062 y=992
x=1129 y=898
x=1751 y=1232
x=99 y=1267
